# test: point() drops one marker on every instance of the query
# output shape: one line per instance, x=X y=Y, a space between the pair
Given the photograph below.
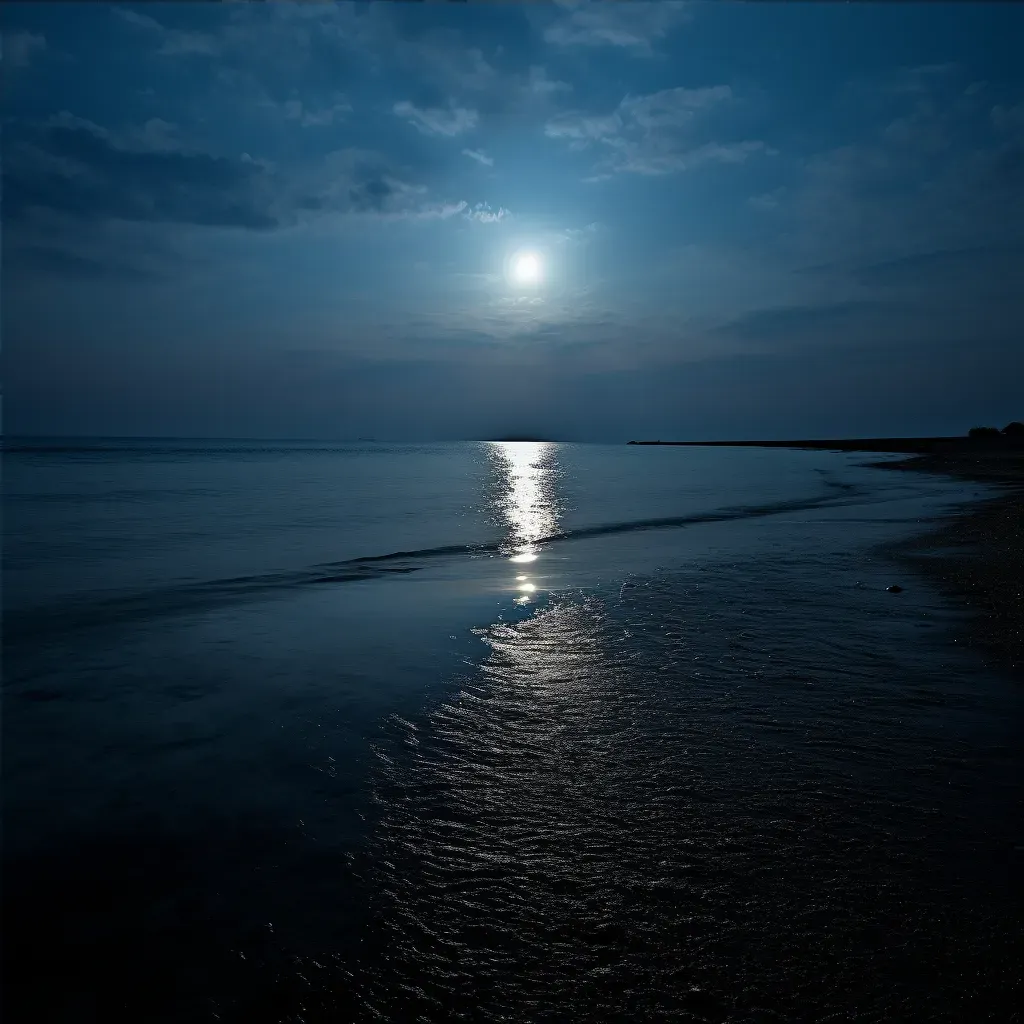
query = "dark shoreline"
x=956 y=448
x=976 y=555
x=847 y=444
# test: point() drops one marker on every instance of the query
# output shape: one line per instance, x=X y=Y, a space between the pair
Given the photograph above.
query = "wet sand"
x=977 y=555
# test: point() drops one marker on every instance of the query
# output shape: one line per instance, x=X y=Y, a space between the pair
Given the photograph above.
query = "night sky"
x=283 y=220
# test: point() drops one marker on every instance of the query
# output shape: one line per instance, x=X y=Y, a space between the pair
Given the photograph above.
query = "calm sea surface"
x=500 y=732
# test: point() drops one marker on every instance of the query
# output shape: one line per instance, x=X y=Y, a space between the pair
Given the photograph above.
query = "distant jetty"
x=911 y=445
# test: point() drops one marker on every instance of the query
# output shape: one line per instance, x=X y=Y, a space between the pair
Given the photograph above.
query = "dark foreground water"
x=494 y=732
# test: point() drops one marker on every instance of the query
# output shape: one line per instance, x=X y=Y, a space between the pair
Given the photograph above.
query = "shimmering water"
x=494 y=732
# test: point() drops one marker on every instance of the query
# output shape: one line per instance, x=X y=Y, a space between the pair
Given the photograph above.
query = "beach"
x=512 y=730
x=976 y=555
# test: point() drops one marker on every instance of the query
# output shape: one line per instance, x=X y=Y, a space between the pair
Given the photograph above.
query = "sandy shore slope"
x=977 y=555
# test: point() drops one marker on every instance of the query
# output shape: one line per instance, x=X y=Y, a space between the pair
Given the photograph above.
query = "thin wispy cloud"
x=171 y=42
x=479 y=156
x=447 y=121
x=652 y=134
x=312 y=115
x=19 y=49
x=1009 y=120
x=630 y=26
x=434 y=211
x=539 y=83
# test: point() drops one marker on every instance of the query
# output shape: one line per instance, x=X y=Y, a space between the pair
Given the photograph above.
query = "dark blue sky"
x=296 y=220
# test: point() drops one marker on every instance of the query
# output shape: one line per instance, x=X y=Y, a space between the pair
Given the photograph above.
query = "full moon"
x=526 y=268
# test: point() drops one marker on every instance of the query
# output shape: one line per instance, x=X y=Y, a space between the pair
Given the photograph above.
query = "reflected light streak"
x=526 y=500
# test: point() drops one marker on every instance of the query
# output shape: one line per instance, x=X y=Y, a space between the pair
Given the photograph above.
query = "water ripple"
x=584 y=834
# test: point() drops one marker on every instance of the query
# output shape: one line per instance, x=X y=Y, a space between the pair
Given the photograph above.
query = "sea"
x=496 y=731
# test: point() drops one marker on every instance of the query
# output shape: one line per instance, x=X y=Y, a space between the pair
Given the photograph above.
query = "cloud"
x=627 y=25
x=933 y=178
x=382 y=206
x=537 y=83
x=575 y=235
x=450 y=63
x=172 y=42
x=357 y=181
x=483 y=214
x=909 y=233
x=437 y=121
x=318 y=106
x=368 y=185
x=784 y=326
x=310 y=114
x=582 y=129
x=438 y=211
x=54 y=261
x=80 y=169
x=641 y=160
x=374 y=193
x=445 y=62
x=479 y=156
x=267 y=48
x=672 y=108
x=397 y=212
x=317 y=43
x=136 y=20
x=1009 y=120
x=651 y=114
x=186 y=44
x=767 y=201
x=51 y=244
x=992 y=269
x=116 y=252
x=155 y=134
x=920 y=78
x=19 y=48
x=71 y=169
x=651 y=134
